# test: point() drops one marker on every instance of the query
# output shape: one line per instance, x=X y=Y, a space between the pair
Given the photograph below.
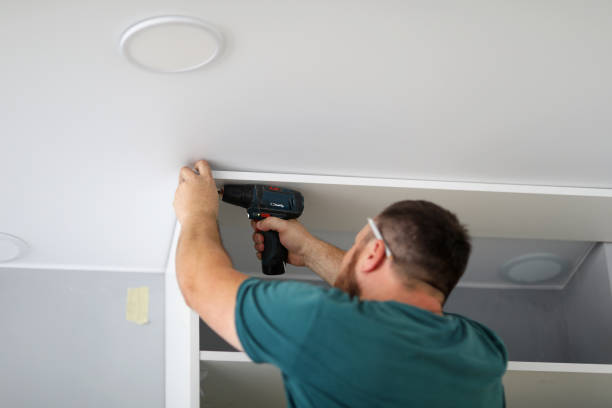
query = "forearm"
x=204 y=271
x=324 y=259
x=200 y=258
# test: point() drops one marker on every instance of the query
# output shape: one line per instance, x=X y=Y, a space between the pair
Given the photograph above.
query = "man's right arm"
x=304 y=249
x=324 y=259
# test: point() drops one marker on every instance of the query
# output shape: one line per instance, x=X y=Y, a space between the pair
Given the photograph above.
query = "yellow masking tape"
x=137 y=306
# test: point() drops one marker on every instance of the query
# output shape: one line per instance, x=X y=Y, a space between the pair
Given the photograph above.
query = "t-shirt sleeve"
x=274 y=318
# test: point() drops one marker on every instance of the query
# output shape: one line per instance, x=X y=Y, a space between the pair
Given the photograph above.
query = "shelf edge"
x=231 y=356
x=416 y=184
x=560 y=367
x=224 y=356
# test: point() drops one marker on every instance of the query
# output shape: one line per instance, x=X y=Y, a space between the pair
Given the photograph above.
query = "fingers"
x=267 y=224
x=258 y=238
x=185 y=174
x=270 y=223
x=203 y=167
x=259 y=247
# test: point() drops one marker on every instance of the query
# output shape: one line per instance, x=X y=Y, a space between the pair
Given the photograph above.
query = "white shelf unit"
x=224 y=356
x=489 y=210
x=512 y=365
x=526 y=384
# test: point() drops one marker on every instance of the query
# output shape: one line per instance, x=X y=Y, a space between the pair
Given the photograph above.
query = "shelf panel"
x=559 y=367
x=526 y=384
x=563 y=389
x=489 y=210
x=512 y=365
x=224 y=356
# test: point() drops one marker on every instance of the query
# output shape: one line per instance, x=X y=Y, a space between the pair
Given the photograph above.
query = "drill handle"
x=274 y=254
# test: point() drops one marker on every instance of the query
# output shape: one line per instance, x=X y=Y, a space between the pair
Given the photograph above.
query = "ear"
x=374 y=256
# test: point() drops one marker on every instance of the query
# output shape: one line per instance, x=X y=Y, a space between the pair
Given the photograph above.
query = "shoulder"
x=256 y=294
x=289 y=294
x=487 y=336
x=272 y=288
x=274 y=319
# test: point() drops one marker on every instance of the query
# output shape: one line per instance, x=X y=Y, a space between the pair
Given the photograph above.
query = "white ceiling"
x=494 y=92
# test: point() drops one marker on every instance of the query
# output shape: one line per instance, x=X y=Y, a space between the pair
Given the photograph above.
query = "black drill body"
x=262 y=201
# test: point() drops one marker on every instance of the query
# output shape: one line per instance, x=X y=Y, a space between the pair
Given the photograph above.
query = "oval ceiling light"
x=11 y=247
x=533 y=268
x=171 y=44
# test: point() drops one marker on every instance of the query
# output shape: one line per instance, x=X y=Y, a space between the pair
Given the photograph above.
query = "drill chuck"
x=240 y=195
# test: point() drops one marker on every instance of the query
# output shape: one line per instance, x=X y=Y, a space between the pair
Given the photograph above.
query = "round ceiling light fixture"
x=533 y=268
x=11 y=247
x=171 y=44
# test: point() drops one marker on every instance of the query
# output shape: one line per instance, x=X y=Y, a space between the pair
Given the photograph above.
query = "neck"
x=413 y=298
x=417 y=294
x=423 y=301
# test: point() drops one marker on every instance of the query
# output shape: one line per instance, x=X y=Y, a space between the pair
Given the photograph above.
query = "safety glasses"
x=378 y=235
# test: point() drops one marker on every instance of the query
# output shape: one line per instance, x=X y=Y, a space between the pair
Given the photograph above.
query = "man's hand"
x=292 y=235
x=196 y=198
x=304 y=249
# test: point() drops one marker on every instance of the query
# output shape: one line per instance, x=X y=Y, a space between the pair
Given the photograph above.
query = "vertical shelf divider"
x=182 y=362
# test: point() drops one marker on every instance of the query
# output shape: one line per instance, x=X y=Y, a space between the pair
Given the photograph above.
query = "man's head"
x=429 y=248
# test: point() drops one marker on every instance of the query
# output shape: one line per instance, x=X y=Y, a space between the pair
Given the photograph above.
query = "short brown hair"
x=424 y=234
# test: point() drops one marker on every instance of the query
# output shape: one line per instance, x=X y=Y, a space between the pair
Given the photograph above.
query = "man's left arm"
x=204 y=271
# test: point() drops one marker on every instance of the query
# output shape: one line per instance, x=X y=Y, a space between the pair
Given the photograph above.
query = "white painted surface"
x=608 y=252
x=485 y=267
x=239 y=384
x=181 y=345
x=559 y=367
x=557 y=389
x=11 y=247
x=505 y=92
x=512 y=365
x=412 y=184
x=223 y=356
x=343 y=203
x=171 y=44
x=525 y=387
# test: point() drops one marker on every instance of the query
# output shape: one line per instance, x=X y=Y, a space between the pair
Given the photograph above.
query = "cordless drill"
x=262 y=201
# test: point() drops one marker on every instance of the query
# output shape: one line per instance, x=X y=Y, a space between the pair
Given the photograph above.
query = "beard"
x=347 y=280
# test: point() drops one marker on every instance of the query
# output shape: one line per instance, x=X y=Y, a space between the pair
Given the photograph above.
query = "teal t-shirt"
x=334 y=351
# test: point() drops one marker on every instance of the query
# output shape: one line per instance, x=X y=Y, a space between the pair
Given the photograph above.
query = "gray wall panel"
x=65 y=341
x=588 y=302
x=530 y=322
x=572 y=325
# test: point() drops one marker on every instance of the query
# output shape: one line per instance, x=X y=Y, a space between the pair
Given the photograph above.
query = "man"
x=378 y=338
